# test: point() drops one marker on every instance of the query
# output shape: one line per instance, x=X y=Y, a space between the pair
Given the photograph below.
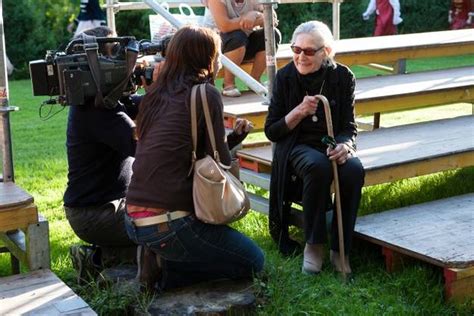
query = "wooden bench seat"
x=388 y=154
x=437 y=232
x=23 y=232
x=378 y=94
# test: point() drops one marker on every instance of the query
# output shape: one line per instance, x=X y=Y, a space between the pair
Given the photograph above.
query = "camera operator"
x=100 y=149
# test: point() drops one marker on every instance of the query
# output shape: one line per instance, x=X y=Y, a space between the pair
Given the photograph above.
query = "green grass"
x=41 y=169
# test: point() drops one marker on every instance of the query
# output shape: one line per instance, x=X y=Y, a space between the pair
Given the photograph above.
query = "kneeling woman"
x=191 y=251
x=296 y=124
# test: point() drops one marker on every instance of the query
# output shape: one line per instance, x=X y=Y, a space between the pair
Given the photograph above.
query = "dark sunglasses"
x=307 y=51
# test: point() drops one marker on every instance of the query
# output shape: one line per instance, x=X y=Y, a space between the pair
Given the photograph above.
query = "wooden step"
x=39 y=293
x=394 y=153
x=437 y=232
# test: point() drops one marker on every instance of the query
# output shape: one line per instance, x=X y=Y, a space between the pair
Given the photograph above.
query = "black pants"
x=315 y=169
x=254 y=43
x=104 y=226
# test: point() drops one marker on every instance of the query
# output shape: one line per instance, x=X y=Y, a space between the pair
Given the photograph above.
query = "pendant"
x=314 y=118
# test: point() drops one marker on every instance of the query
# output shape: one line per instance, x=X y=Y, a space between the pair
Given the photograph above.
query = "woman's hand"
x=242 y=126
x=307 y=107
x=340 y=154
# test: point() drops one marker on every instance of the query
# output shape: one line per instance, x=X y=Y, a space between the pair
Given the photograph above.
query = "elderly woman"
x=296 y=124
x=240 y=24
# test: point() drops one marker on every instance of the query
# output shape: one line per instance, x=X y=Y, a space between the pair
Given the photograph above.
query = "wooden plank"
x=398 y=145
x=388 y=49
x=438 y=232
x=254 y=175
x=12 y=195
x=39 y=293
x=380 y=94
x=18 y=217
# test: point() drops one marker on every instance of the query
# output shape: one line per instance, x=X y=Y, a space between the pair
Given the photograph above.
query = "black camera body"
x=69 y=74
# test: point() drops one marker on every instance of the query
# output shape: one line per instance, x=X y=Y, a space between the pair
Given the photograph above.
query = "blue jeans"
x=193 y=251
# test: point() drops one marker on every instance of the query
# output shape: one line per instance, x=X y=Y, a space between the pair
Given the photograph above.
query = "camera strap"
x=110 y=100
x=91 y=47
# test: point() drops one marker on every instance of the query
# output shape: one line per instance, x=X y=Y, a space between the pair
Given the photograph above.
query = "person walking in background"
x=387 y=16
x=460 y=14
x=240 y=24
x=90 y=16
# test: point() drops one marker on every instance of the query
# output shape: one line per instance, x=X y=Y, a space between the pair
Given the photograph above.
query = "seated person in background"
x=460 y=14
x=240 y=24
x=100 y=148
x=387 y=16
x=296 y=124
x=188 y=249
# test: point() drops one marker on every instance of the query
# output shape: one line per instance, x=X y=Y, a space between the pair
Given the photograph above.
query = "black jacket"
x=287 y=94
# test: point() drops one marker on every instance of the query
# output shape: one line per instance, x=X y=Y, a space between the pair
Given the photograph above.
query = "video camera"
x=90 y=66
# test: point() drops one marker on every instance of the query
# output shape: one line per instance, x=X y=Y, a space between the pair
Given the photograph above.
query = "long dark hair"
x=191 y=58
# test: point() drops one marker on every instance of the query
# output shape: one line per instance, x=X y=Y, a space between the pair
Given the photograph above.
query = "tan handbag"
x=219 y=197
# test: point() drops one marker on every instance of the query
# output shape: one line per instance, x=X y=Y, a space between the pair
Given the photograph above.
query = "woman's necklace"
x=314 y=118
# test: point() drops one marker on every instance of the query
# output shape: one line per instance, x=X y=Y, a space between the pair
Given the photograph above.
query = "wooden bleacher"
x=438 y=232
x=378 y=94
x=392 y=154
x=387 y=154
x=391 y=49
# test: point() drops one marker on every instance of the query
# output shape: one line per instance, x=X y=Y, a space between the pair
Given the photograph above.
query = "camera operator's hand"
x=157 y=70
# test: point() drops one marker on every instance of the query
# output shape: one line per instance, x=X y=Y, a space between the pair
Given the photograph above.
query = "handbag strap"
x=207 y=116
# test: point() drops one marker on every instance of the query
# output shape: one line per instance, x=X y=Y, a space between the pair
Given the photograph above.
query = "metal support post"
x=270 y=46
x=336 y=13
x=111 y=15
x=5 y=134
x=250 y=82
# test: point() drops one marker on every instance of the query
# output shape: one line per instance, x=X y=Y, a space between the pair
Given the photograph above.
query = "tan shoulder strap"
x=207 y=116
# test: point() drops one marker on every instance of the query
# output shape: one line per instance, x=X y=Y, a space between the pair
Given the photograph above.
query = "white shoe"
x=231 y=91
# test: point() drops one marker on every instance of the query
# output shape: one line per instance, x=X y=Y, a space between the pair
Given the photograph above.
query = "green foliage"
x=133 y=23
x=25 y=32
x=41 y=25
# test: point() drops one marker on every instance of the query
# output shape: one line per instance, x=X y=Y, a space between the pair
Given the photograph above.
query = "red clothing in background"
x=459 y=14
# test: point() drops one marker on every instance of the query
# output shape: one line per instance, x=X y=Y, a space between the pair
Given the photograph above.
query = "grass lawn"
x=41 y=169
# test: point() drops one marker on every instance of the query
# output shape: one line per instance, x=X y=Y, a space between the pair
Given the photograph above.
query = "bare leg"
x=259 y=65
x=236 y=55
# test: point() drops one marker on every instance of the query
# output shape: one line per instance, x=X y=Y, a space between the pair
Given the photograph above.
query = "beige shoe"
x=231 y=91
x=313 y=258
x=335 y=259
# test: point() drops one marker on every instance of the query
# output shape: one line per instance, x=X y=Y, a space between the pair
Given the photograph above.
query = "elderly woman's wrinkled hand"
x=308 y=106
x=340 y=154
x=242 y=126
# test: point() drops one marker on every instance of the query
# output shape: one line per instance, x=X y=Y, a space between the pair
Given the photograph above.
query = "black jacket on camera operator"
x=100 y=148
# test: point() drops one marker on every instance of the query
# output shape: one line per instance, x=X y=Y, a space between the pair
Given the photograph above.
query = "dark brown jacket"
x=163 y=155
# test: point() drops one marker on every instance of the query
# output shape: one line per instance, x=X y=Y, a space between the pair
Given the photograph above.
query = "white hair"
x=320 y=32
